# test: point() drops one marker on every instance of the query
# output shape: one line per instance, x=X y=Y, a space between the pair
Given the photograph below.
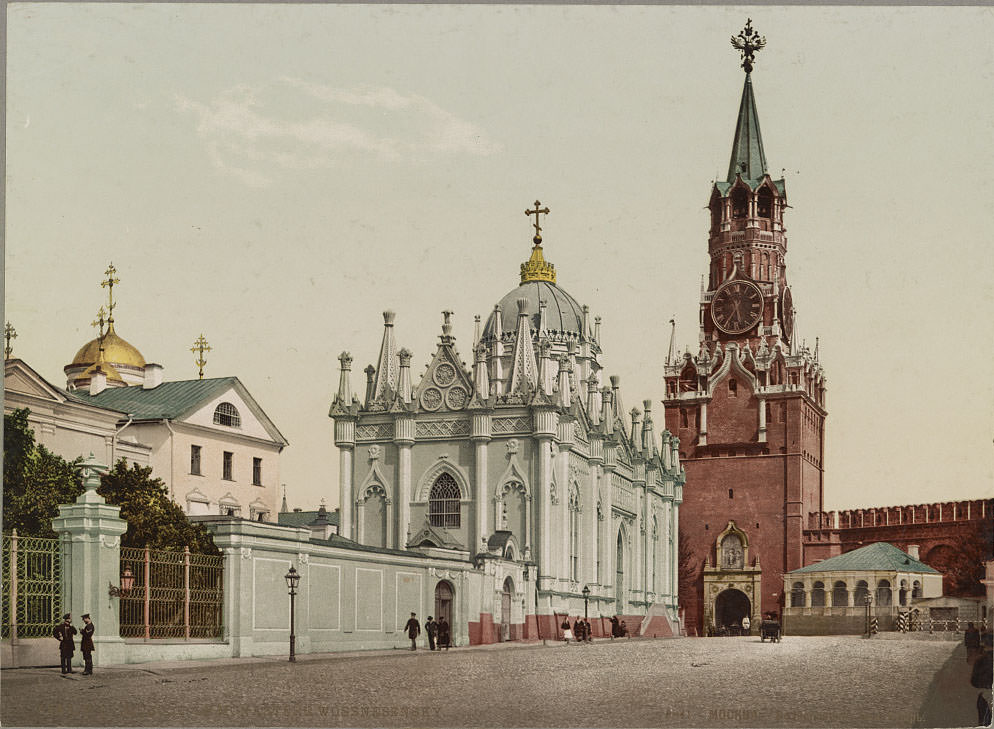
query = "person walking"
x=567 y=632
x=587 y=632
x=86 y=645
x=431 y=627
x=413 y=630
x=745 y=625
x=64 y=633
x=444 y=634
x=981 y=678
x=971 y=639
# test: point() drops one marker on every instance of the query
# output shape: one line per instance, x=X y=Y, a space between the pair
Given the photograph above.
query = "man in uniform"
x=64 y=633
x=431 y=627
x=86 y=645
x=413 y=630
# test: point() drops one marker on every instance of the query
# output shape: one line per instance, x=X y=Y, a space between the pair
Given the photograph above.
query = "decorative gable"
x=229 y=411
x=445 y=386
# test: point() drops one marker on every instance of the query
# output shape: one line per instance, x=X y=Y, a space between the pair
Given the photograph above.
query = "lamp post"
x=586 y=596
x=867 y=600
x=292 y=580
x=127 y=582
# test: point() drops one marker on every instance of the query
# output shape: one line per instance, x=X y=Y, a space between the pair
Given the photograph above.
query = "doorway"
x=443 y=602
x=730 y=607
x=504 y=634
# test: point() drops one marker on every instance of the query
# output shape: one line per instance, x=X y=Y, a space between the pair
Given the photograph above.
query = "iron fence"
x=34 y=592
x=173 y=595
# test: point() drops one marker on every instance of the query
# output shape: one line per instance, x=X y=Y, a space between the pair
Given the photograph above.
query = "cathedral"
x=526 y=465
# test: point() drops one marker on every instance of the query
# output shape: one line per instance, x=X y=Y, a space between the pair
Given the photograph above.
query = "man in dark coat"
x=431 y=627
x=981 y=677
x=86 y=645
x=444 y=634
x=64 y=633
x=413 y=630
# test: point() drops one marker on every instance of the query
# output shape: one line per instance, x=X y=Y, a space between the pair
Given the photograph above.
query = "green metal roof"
x=167 y=401
x=880 y=556
x=304 y=518
x=748 y=158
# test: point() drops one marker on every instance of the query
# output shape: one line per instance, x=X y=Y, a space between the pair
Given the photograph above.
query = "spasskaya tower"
x=749 y=405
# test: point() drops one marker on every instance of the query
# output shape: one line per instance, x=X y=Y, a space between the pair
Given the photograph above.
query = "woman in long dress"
x=567 y=632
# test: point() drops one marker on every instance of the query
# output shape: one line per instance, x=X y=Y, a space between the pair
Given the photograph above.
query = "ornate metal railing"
x=173 y=595
x=33 y=587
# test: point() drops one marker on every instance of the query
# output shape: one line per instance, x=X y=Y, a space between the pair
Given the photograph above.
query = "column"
x=675 y=552
x=481 y=439
x=545 y=429
x=762 y=420
x=403 y=439
x=703 y=435
x=345 y=440
x=95 y=530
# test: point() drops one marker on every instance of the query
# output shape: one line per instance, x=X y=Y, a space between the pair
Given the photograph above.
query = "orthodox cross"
x=748 y=42
x=8 y=334
x=109 y=283
x=99 y=322
x=199 y=347
x=536 y=212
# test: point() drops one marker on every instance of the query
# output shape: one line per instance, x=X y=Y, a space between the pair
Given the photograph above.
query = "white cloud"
x=294 y=124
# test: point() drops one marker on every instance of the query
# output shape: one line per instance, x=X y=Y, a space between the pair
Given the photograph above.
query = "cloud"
x=294 y=124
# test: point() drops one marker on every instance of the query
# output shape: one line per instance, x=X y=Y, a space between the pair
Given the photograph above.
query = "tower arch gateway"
x=754 y=450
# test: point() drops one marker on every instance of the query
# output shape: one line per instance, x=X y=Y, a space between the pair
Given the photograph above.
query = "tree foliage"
x=36 y=481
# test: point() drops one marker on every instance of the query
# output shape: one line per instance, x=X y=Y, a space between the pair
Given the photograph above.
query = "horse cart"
x=769 y=629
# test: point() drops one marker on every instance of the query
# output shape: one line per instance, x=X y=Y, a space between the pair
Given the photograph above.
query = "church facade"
x=525 y=466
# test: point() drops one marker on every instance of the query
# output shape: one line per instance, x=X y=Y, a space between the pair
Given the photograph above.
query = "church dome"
x=116 y=351
x=562 y=312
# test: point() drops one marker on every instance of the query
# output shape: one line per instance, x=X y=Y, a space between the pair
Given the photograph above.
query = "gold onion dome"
x=108 y=369
x=116 y=351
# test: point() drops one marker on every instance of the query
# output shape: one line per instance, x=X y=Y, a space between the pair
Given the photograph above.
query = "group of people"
x=438 y=632
x=619 y=629
x=64 y=632
x=580 y=631
x=979 y=648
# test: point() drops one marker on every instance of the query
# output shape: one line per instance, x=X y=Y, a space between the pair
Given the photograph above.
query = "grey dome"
x=562 y=313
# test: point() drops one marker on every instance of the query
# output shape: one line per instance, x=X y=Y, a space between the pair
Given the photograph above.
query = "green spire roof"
x=879 y=556
x=748 y=159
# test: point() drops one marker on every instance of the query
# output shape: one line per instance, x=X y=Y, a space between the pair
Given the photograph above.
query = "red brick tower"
x=749 y=406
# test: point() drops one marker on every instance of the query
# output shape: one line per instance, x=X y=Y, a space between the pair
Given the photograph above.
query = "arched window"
x=840 y=595
x=818 y=595
x=862 y=592
x=443 y=502
x=797 y=595
x=883 y=593
x=227 y=414
x=903 y=593
x=916 y=589
x=740 y=203
x=764 y=203
x=716 y=206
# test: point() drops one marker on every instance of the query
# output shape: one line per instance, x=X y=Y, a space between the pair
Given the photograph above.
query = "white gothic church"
x=528 y=468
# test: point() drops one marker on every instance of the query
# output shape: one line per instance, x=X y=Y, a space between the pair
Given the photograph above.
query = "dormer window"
x=764 y=203
x=740 y=203
x=227 y=414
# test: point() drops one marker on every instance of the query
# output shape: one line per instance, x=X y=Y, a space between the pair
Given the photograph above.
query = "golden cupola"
x=117 y=358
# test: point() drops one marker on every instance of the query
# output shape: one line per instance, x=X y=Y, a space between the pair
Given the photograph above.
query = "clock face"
x=787 y=313
x=737 y=307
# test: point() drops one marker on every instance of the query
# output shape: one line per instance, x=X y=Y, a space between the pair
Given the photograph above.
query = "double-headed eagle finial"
x=748 y=42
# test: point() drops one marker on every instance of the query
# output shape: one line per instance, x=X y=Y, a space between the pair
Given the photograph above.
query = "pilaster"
x=404 y=440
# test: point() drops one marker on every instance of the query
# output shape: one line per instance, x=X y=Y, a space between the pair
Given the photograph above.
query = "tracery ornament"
x=375 y=452
x=431 y=399
x=456 y=398
x=444 y=374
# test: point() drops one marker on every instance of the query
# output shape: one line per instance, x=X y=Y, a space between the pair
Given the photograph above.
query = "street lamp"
x=867 y=600
x=292 y=580
x=586 y=595
x=127 y=582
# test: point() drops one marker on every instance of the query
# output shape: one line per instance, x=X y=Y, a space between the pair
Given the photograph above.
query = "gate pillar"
x=94 y=530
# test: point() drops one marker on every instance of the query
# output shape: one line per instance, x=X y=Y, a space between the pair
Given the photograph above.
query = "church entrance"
x=443 y=601
x=505 y=611
x=730 y=607
x=619 y=577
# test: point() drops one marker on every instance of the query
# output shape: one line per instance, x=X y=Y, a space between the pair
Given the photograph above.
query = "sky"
x=275 y=176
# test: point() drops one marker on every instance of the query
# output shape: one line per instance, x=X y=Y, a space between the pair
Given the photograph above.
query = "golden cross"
x=199 y=347
x=99 y=321
x=8 y=334
x=109 y=283
x=536 y=212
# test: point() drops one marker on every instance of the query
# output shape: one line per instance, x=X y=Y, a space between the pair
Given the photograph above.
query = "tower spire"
x=748 y=158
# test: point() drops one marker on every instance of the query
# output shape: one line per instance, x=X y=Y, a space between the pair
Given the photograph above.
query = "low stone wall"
x=834 y=624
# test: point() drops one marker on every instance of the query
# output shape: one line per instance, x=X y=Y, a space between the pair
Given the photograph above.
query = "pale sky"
x=277 y=176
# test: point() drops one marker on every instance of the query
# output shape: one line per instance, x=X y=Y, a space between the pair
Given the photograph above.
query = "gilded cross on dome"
x=537 y=268
x=536 y=212
x=748 y=42
x=100 y=321
x=199 y=347
x=109 y=283
x=8 y=334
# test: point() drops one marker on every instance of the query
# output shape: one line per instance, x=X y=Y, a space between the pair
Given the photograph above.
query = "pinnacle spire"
x=748 y=158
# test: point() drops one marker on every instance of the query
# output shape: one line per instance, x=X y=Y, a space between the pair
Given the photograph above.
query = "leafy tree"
x=35 y=480
x=687 y=571
x=153 y=518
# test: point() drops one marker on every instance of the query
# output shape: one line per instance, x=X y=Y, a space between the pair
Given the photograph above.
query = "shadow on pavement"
x=950 y=701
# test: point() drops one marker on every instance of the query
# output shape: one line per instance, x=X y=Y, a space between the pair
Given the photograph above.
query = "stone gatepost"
x=95 y=530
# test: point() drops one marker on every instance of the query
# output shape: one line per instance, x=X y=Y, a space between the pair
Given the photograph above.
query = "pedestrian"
x=444 y=634
x=431 y=627
x=578 y=630
x=587 y=633
x=86 y=645
x=64 y=633
x=745 y=625
x=567 y=633
x=981 y=677
x=623 y=630
x=971 y=639
x=615 y=627
x=413 y=630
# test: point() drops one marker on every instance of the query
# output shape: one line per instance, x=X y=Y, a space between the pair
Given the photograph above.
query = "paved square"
x=731 y=682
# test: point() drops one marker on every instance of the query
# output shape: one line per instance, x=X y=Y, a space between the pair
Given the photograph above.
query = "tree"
x=687 y=571
x=153 y=518
x=35 y=480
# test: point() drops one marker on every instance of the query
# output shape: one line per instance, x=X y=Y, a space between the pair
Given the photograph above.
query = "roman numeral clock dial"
x=737 y=307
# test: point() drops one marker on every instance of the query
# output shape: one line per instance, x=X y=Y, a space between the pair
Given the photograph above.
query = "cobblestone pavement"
x=802 y=682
